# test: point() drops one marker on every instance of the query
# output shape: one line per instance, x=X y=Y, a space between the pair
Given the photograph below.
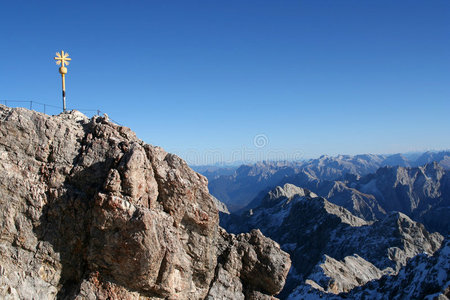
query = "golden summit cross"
x=63 y=59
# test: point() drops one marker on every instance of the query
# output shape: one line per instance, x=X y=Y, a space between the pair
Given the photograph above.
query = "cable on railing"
x=45 y=105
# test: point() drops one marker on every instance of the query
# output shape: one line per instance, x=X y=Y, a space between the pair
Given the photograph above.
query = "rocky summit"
x=89 y=211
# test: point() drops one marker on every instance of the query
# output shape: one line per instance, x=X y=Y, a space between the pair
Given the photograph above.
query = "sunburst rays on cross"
x=62 y=58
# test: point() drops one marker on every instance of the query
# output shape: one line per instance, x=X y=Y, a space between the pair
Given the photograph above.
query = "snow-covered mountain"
x=332 y=250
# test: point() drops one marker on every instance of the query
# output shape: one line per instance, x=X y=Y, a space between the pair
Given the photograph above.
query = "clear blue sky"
x=203 y=78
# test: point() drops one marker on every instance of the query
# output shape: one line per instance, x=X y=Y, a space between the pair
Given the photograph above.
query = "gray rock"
x=88 y=211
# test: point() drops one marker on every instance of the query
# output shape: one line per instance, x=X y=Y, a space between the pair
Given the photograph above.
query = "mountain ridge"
x=238 y=189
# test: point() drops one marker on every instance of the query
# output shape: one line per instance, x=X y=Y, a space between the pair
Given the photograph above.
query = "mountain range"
x=238 y=187
x=351 y=224
x=423 y=193
x=368 y=191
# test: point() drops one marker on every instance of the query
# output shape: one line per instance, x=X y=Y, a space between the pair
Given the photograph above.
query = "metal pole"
x=31 y=105
x=64 y=91
x=63 y=59
x=44 y=108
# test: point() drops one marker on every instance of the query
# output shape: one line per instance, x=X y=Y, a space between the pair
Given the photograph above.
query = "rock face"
x=332 y=250
x=88 y=211
x=255 y=259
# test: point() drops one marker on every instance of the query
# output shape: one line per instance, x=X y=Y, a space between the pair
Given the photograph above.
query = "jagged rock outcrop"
x=332 y=250
x=255 y=259
x=88 y=211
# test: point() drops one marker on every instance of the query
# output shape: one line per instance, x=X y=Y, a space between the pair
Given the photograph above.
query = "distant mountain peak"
x=287 y=191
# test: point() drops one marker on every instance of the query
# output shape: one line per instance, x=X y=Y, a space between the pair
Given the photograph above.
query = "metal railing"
x=49 y=108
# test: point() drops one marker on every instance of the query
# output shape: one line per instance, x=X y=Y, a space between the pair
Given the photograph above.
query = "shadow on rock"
x=65 y=224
